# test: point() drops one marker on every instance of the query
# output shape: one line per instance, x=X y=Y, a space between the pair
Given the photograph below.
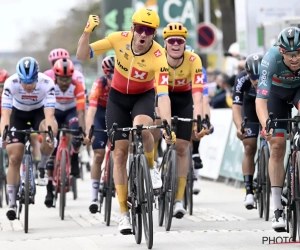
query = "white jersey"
x=14 y=94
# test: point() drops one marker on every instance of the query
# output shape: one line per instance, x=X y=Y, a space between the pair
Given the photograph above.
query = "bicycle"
x=169 y=176
x=61 y=175
x=262 y=183
x=3 y=166
x=291 y=195
x=27 y=189
x=107 y=191
x=141 y=197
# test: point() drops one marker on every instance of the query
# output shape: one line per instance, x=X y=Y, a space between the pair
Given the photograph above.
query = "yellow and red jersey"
x=99 y=93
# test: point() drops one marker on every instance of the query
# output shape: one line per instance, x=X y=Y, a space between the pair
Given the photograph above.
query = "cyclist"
x=185 y=87
x=69 y=110
x=140 y=62
x=3 y=76
x=96 y=116
x=244 y=95
x=27 y=96
x=60 y=53
x=279 y=85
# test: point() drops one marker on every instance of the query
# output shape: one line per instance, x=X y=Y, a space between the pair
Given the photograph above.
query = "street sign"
x=206 y=35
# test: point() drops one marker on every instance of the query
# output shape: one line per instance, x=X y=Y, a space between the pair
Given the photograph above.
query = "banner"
x=170 y=11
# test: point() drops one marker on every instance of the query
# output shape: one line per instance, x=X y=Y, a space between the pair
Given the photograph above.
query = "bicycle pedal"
x=280 y=230
x=126 y=232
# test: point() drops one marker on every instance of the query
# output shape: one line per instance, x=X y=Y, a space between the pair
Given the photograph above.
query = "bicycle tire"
x=27 y=193
x=2 y=178
x=161 y=196
x=146 y=197
x=63 y=176
x=74 y=187
x=297 y=194
x=258 y=190
x=190 y=184
x=171 y=187
x=109 y=190
x=136 y=216
x=267 y=189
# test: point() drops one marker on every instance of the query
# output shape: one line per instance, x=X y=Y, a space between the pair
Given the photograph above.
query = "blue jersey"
x=205 y=89
x=273 y=71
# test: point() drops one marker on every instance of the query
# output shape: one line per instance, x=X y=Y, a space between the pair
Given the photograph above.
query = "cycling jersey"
x=15 y=96
x=73 y=97
x=189 y=71
x=273 y=71
x=134 y=74
x=99 y=93
x=77 y=76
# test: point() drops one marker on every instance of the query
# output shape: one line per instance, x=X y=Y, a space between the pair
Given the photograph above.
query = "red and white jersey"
x=73 y=97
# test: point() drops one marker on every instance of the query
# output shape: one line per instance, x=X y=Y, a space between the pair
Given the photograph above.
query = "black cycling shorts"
x=182 y=106
x=19 y=120
x=279 y=103
x=123 y=108
x=253 y=123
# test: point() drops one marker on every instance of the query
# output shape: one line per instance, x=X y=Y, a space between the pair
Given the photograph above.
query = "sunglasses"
x=291 y=54
x=179 y=41
x=254 y=77
x=140 y=29
x=64 y=78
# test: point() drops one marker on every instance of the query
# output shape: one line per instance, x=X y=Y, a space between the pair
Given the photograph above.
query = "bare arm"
x=5 y=119
x=90 y=118
x=50 y=119
x=198 y=104
x=83 y=49
x=262 y=110
x=206 y=106
x=237 y=115
x=164 y=106
x=81 y=116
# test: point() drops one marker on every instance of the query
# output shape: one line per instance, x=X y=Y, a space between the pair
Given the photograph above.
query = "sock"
x=276 y=194
x=196 y=145
x=196 y=172
x=155 y=150
x=181 y=187
x=44 y=159
x=95 y=189
x=150 y=158
x=12 y=194
x=248 y=179
x=122 y=191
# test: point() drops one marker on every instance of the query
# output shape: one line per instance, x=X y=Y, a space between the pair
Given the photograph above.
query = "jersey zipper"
x=128 y=78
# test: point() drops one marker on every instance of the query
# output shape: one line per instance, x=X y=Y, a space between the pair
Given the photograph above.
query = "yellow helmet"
x=146 y=17
x=175 y=29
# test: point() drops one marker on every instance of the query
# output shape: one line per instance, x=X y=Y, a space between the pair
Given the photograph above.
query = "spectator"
x=222 y=97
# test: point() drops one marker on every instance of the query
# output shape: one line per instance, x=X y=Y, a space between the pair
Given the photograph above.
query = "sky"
x=20 y=16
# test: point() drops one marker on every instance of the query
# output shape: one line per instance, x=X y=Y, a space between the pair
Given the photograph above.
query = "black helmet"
x=287 y=34
x=252 y=65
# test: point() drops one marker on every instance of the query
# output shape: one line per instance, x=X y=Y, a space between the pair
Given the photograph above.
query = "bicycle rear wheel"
x=146 y=198
x=2 y=178
x=136 y=216
x=189 y=185
x=27 y=193
x=161 y=196
x=109 y=190
x=267 y=184
x=258 y=191
x=170 y=187
x=63 y=180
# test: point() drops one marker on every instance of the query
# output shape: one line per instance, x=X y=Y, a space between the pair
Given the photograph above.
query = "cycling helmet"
x=63 y=67
x=58 y=54
x=146 y=17
x=27 y=70
x=175 y=29
x=252 y=65
x=3 y=75
x=108 y=64
x=189 y=48
x=286 y=36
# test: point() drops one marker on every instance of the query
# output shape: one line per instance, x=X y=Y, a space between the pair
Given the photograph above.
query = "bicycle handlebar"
x=270 y=121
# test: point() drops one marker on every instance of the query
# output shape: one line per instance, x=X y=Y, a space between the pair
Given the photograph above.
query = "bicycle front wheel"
x=297 y=193
x=27 y=192
x=2 y=179
x=109 y=190
x=146 y=198
x=189 y=185
x=63 y=180
x=267 y=184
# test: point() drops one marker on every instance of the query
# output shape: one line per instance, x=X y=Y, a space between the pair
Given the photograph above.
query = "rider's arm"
x=86 y=50
x=6 y=105
x=197 y=84
x=94 y=97
x=80 y=104
x=267 y=70
x=162 y=78
x=49 y=106
x=238 y=95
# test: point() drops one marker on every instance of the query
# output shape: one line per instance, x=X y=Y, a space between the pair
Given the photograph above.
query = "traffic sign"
x=206 y=35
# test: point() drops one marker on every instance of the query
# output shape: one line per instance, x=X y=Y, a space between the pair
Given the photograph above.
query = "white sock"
x=276 y=194
x=197 y=172
x=12 y=194
x=95 y=189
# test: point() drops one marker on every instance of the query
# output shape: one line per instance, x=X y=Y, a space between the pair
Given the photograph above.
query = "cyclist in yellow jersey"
x=185 y=89
x=140 y=63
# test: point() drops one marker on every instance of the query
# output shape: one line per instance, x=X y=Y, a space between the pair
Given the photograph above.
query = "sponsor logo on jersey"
x=180 y=81
x=163 y=79
x=198 y=70
x=29 y=97
x=265 y=63
x=164 y=69
x=127 y=46
x=124 y=33
x=121 y=66
x=157 y=53
x=198 y=78
x=6 y=92
x=192 y=58
x=264 y=92
x=138 y=74
x=240 y=83
x=263 y=78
